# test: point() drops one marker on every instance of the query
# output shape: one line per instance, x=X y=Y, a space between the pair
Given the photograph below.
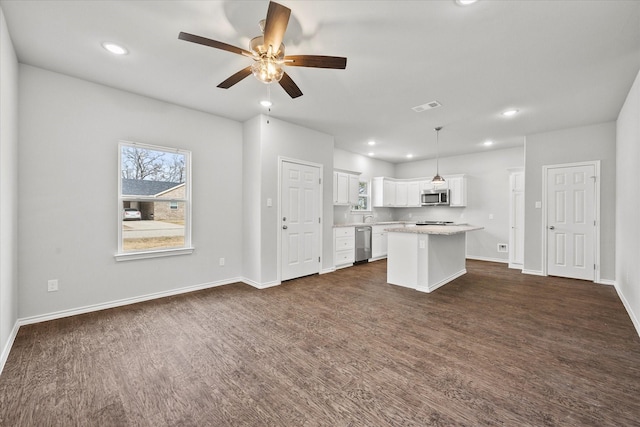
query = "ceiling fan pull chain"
x=270 y=104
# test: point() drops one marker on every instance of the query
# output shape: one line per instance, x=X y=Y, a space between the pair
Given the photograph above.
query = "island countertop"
x=435 y=229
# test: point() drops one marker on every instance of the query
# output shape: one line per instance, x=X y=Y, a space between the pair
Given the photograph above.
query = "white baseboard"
x=442 y=282
x=328 y=270
x=532 y=272
x=606 y=282
x=516 y=266
x=7 y=348
x=483 y=258
x=122 y=302
x=258 y=285
x=627 y=307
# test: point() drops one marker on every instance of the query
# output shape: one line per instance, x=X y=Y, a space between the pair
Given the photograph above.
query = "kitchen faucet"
x=364 y=218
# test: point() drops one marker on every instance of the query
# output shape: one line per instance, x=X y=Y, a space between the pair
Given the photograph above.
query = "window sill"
x=130 y=256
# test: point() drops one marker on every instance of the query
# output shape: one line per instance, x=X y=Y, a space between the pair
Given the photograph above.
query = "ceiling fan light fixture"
x=267 y=70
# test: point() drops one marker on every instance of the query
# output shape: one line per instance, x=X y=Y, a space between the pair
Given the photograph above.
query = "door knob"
x=284 y=227
x=552 y=227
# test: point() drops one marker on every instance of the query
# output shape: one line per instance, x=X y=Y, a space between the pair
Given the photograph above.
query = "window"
x=154 y=201
x=364 y=196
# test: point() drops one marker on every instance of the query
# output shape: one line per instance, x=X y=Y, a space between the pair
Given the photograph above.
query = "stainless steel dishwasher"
x=363 y=244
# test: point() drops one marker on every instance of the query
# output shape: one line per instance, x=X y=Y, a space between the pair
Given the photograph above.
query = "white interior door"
x=571 y=221
x=300 y=225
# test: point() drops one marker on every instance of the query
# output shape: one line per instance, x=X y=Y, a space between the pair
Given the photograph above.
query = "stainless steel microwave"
x=438 y=197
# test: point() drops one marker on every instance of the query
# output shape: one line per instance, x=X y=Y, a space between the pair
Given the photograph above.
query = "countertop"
x=435 y=229
x=359 y=224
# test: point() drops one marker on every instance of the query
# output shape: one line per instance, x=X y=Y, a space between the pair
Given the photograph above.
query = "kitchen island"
x=426 y=257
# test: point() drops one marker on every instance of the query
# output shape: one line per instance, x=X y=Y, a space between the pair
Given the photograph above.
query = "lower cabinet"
x=378 y=242
x=344 y=246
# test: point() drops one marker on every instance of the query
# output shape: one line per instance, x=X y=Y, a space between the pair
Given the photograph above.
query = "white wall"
x=281 y=139
x=8 y=190
x=68 y=175
x=252 y=197
x=487 y=194
x=628 y=203
x=587 y=143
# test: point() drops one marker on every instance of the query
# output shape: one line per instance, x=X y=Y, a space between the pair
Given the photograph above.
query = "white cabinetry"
x=395 y=193
x=383 y=192
x=344 y=246
x=402 y=195
x=457 y=190
x=354 y=188
x=345 y=188
x=413 y=193
x=378 y=241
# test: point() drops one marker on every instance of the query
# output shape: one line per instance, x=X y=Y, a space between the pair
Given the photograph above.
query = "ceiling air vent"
x=427 y=106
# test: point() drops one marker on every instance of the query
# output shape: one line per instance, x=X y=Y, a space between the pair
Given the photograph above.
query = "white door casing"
x=300 y=225
x=516 y=219
x=571 y=217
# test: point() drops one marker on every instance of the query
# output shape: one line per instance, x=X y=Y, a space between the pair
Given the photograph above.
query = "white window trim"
x=187 y=249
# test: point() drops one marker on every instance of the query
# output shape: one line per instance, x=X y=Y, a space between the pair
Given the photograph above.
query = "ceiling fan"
x=267 y=51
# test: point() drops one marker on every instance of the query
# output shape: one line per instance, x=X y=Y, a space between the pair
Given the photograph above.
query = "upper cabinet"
x=383 y=192
x=345 y=188
x=457 y=190
x=413 y=193
x=402 y=193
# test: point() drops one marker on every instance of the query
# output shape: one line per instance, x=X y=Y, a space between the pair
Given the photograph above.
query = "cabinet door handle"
x=551 y=227
x=284 y=227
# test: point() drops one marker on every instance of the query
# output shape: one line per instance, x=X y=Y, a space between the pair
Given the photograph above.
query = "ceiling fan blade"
x=317 y=61
x=235 y=78
x=213 y=43
x=275 y=25
x=289 y=86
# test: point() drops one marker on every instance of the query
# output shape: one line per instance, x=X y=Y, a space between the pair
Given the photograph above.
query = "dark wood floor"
x=492 y=348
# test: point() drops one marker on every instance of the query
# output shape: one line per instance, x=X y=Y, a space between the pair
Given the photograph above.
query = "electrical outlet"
x=52 y=285
x=502 y=247
x=221 y=262
x=490 y=216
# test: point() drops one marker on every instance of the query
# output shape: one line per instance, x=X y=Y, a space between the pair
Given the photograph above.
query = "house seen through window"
x=154 y=198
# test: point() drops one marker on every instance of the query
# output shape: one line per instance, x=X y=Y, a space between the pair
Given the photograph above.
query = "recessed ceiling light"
x=510 y=113
x=372 y=154
x=409 y=156
x=266 y=103
x=465 y=2
x=487 y=143
x=371 y=143
x=116 y=49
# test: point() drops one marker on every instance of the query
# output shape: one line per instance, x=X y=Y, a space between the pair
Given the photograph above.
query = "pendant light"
x=437 y=180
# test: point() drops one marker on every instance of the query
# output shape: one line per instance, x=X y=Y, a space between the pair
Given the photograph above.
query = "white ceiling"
x=561 y=63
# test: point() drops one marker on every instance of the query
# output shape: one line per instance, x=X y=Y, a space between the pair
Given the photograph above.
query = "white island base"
x=425 y=261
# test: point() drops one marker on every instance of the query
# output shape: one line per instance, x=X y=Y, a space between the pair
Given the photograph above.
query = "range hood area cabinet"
x=345 y=188
x=405 y=193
